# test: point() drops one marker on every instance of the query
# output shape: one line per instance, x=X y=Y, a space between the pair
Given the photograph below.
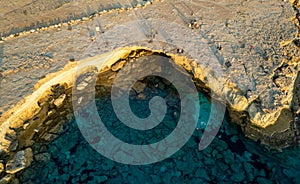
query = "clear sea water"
x=230 y=158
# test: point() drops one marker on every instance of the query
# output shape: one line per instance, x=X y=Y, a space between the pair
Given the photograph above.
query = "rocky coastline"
x=260 y=82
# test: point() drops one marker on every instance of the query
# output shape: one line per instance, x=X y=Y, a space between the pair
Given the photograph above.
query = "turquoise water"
x=230 y=158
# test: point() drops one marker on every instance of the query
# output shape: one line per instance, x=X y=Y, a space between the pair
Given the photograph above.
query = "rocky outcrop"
x=40 y=116
x=267 y=109
x=20 y=161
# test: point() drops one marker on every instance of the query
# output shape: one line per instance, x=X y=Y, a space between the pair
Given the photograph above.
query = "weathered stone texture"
x=259 y=60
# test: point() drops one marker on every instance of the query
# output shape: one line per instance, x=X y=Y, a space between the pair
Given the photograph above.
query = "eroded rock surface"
x=256 y=53
x=40 y=117
x=29 y=15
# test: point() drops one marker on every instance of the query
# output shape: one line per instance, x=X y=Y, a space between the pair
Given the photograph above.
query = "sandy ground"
x=244 y=36
x=19 y=15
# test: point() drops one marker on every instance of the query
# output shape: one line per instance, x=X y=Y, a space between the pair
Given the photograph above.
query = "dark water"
x=230 y=158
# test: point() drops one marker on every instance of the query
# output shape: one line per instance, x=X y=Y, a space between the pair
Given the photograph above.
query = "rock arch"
x=40 y=115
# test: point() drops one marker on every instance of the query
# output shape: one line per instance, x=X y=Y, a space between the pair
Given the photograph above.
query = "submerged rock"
x=100 y=179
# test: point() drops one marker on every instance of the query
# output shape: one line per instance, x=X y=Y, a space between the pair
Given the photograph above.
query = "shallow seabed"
x=230 y=158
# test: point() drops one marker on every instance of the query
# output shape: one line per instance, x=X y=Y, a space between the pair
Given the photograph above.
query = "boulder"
x=20 y=161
